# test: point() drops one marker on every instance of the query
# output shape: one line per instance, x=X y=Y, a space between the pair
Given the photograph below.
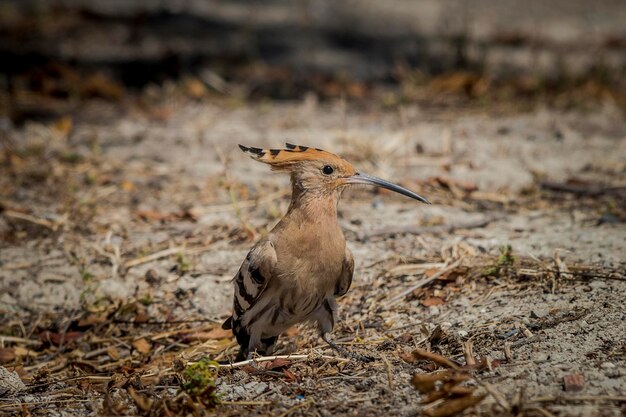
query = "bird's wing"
x=345 y=279
x=252 y=278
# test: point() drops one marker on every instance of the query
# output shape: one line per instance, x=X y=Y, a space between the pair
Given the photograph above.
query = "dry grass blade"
x=409 y=268
x=153 y=257
x=389 y=372
x=32 y=219
x=420 y=354
x=163 y=254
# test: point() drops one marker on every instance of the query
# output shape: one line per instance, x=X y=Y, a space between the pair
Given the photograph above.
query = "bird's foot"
x=345 y=352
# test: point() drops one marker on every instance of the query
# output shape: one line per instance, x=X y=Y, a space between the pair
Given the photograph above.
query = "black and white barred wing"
x=252 y=279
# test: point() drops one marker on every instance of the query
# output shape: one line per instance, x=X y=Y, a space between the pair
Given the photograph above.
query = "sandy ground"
x=87 y=202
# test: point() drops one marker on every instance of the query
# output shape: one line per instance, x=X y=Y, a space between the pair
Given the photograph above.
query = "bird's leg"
x=345 y=352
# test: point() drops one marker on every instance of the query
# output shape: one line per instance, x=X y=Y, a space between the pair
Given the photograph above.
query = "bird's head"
x=316 y=171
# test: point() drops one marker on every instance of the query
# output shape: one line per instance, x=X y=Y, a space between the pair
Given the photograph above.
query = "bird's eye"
x=327 y=170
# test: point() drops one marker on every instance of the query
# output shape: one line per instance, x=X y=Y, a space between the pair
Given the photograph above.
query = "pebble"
x=573 y=382
x=537 y=314
x=597 y=284
x=10 y=383
x=261 y=388
x=607 y=365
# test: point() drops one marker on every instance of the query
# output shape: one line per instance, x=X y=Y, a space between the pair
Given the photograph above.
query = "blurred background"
x=53 y=54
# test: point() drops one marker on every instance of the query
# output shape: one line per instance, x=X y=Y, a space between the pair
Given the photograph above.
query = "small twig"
x=156 y=322
x=389 y=373
x=272 y=358
x=32 y=219
x=508 y=355
x=525 y=330
x=15 y=339
x=540 y=410
x=496 y=395
x=535 y=338
x=586 y=274
x=163 y=254
x=92 y=378
x=407 y=268
x=153 y=257
x=591 y=190
x=52 y=401
x=468 y=352
x=246 y=402
x=437 y=230
x=549 y=399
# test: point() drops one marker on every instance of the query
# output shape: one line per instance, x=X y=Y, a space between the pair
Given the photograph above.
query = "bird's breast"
x=311 y=259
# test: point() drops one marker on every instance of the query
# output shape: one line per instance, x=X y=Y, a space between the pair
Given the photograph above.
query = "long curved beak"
x=360 y=178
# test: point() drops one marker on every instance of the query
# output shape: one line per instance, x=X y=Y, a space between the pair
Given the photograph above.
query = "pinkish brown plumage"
x=294 y=273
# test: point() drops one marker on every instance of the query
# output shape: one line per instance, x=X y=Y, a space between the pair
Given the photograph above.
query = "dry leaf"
x=22 y=351
x=433 y=396
x=215 y=334
x=407 y=357
x=195 y=88
x=276 y=363
x=56 y=338
x=127 y=185
x=141 y=317
x=421 y=354
x=92 y=319
x=426 y=382
x=289 y=376
x=63 y=125
x=143 y=346
x=113 y=353
x=454 y=406
x=142 y=401
x=573 y=382
x=7 y=355
x=457 y=391
x=432 y=301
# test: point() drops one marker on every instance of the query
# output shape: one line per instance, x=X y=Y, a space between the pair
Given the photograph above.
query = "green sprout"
x=183 y=264
x=85 y=274
x=199 y=381
x=506 y=256
x=505 y=259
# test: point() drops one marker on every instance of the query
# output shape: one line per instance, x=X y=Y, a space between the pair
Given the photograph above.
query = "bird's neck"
x=314 y=207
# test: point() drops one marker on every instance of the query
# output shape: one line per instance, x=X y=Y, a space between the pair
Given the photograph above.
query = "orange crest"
x=295 y=154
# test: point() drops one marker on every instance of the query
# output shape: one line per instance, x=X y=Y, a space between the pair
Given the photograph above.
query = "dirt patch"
x=119 y=239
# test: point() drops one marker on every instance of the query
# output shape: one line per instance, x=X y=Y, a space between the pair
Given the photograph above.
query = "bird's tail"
x=228 y=323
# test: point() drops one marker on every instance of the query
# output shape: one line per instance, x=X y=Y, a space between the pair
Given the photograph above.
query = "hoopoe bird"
x=294 y=274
